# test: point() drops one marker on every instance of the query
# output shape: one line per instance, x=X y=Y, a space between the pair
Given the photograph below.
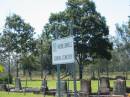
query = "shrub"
x=6 y=79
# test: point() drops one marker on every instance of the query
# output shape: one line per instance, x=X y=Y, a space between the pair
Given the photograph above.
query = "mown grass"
x=10 y=94
x=36 y=84
x=52 y=85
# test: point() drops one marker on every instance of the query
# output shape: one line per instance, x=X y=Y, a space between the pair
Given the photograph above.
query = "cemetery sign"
x=63 y=51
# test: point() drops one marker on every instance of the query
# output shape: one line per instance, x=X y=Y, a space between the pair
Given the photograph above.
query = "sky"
x=37 y=12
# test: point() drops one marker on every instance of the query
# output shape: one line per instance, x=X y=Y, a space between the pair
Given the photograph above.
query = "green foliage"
x=17 y=38
x=28 y=62
x=122 y=47
x=1 y=68
x=17 y=35
x=88 y=27
x=6 y=94
x=44 y=47
x=6 y=79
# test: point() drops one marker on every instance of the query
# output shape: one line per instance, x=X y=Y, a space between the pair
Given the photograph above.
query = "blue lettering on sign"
x=65 y=45
x=66 y=57
x=57 y=58
x=63 y=57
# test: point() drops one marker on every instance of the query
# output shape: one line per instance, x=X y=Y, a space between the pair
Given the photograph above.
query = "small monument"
x=63 y=88
x=18 y=84
x=44 y=86
x=119 y=86
x=104 y=87
x=3 y=87
x=85 y=86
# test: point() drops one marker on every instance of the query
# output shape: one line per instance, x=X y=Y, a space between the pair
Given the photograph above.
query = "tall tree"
x=29 y=62
x=44 y=45
x=123 y=45
x=17 y=36
x=88 y=27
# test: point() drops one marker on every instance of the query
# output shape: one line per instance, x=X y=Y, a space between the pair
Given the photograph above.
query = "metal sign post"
x=58 y=79
x=62 y=53
x=75 y=85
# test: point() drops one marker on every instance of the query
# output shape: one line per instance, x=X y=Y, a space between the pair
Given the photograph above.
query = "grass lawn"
x=51 y=85
x=94 y=84
x=6 y=94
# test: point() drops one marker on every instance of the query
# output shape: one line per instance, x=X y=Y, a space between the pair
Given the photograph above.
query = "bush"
x=6 y=79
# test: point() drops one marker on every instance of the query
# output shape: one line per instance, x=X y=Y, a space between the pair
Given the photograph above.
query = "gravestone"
x=63 y=88
x=121 y=78
x=18 y=84
x=85 y=88
x=3 y=87
x=30 y=90
x=44 y=86
x=104 y=85
x=119 y=86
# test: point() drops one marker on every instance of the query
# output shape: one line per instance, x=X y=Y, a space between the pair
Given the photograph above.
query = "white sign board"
x=63 y=51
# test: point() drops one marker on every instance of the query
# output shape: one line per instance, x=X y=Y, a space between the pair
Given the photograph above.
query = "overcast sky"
x=37 y=12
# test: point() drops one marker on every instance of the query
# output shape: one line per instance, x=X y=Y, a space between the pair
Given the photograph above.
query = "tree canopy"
x=18 y=35
x=1 y=68
x=17 y=38
x=88 y=27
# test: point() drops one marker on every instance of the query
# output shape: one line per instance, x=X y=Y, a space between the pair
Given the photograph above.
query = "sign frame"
x=63 y=51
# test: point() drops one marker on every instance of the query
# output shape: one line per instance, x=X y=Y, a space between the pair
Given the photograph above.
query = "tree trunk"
x=41 y=72
x=126 y=71
x=98 y=80
x=80 y=71
x=24 y=72
x=9 y=72
x=17 y=72
x=41 y=60
x=93 y=75
x=30 y=74
x=107 y=71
